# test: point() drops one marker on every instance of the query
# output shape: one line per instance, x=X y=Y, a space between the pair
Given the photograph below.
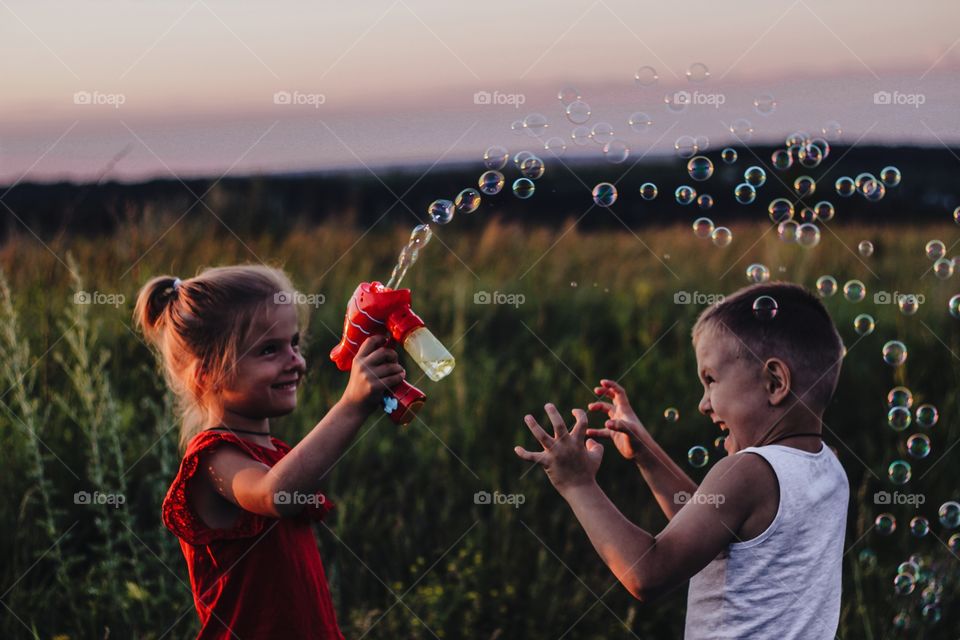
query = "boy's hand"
x=569 y=459
x=623 y=426
x=375 y=371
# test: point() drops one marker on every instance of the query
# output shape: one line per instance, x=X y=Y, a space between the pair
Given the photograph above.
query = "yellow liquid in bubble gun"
x=377 y=309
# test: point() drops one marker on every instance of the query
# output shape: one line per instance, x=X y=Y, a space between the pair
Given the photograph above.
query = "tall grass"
x=408 y=551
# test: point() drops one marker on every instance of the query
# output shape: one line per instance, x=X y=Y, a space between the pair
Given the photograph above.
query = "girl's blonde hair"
x=199 y=327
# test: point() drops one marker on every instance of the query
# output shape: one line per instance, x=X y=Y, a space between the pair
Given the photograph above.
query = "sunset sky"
x=188 y=88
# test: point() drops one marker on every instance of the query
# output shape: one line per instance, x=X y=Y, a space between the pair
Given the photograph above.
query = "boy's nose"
x=704 y=406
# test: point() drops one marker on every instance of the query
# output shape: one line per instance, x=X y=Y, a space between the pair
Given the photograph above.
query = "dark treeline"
x=273 y=203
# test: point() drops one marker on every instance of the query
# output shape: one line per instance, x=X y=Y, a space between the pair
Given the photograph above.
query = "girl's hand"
x=375 y=371
x=623 y=427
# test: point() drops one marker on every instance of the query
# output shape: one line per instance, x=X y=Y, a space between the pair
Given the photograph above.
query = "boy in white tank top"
x=761 y=538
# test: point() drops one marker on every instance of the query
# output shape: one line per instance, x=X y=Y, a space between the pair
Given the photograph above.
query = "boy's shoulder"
x=749 y=489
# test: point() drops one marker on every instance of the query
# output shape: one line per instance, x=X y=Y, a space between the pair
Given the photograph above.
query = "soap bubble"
x=757 y=273
x=765 y=308
x=604 y=194
x=919 y=526
x=517 y=127
x=698 y=72
x=523 y=188
x=927 y=415
x=787 y=231
x=703 y=227
x=705 y=201
x=685 y=194
x=520 y=157
x=806 y=214
x=616 y=151
x=755 y=176
x=686 y=146
x=700 y=168
x=568 y=94
x=918 y=445
x=764 y=104
x=854 y=290
x=943 y=268
x=809 y=155
x=555 y=145
x=467 y=201
x=639 y=122
x=703 y=143
x=954 y=306
x=698 y=456
x=885 y=524
x=831 y=130
x=671 y=414
x=729 y=156
x=824 y=210
x=780 y=210
x=580 y=135
x=721 y=236
x=742 y=129
x=899 y=472
x=536 y=123
x=900 y=397
x=745 y=193
x=935 y=249
x=602 y=132
x=804 y=186
x=823 y=145
x=908 y=303
x=890 y=176
x=931 y=614
x=677 y=101
x=826 y=286
x=845 y=186
x=495 y=157
x=863 y=324
x=782 y=159
x=904 y=584
x=648 y=191
x=868 y=558
x=899 y=418
x=491 y=182
x=420 y=236
x=578 y=112
x=532 y=167
x=894 y=353
x=441 y=211
x=956 y=215
x=865 y=248
x=808 y=235
x=950 y=514
x=646 y=76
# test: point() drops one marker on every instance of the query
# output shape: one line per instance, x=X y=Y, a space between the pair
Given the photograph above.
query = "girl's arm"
x=253 y=486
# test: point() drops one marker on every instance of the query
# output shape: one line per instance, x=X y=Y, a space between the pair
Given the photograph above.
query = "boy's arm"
x=668 y=482
x=647 y=566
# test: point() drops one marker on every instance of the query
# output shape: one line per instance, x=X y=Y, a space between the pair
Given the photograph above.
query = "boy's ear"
x=776 y=380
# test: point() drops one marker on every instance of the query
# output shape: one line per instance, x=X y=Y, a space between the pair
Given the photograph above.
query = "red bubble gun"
x=373 y=309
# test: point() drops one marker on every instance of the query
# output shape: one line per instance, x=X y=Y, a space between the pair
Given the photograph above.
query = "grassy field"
x=83 y=409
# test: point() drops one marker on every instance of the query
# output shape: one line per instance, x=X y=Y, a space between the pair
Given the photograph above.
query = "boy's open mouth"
x=291 y=384
x=723 y=425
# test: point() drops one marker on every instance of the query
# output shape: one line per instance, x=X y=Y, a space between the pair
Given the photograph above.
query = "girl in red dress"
x=242 y=502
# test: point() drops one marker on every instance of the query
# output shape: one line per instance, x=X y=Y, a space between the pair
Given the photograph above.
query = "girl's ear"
x=776 y=380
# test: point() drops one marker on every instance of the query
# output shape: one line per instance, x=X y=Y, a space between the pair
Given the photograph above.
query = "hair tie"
x=176 y=284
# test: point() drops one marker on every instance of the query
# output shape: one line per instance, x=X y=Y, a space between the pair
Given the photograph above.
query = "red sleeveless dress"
x=261 y=578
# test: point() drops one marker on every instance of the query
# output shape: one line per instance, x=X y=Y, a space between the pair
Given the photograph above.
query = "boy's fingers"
x=371 y=344
x=559 y=427
x=537 y=431
x=391 y=381
x=601 y=406
x=600 y=433
x=603 y=391
x=529 y=456
x=388 y=369
x=580 y=423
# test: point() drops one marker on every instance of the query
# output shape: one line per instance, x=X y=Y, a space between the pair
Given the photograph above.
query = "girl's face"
x=270 y=367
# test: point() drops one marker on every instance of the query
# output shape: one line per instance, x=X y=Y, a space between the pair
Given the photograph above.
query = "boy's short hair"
x=801 y=333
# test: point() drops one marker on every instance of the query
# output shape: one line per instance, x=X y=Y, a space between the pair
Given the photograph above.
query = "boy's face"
x=270 y=357
x=734 y=396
